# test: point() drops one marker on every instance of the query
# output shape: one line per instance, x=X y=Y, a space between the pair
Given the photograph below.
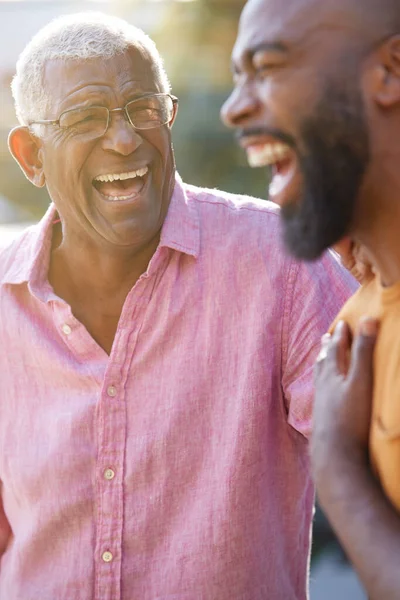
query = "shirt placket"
x=111 y=425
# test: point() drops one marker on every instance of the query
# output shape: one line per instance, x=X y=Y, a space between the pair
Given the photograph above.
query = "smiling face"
x=297 y=107
x=115 y=189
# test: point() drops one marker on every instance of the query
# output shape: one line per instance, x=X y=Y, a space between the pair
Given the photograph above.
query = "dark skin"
x=100 y=249
x=364 y=520
x=279 y=63
x=283 y=55
x=281 y=59
x=354 y=258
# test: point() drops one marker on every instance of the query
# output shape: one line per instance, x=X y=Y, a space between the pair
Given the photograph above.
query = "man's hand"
x=353 y=257
x=342 y=408
x=366 y=523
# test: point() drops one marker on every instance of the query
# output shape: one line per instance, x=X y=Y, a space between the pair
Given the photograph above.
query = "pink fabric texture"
x=176 y=468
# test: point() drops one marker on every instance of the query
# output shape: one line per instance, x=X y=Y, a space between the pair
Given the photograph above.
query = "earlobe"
x=387 y=74
x=26 y=149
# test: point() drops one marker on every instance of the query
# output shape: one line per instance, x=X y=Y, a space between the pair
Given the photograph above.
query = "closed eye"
x=266 y=67
x=267 y=70
x=266 y=62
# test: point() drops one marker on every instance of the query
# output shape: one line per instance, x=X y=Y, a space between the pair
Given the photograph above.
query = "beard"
x=333 y=164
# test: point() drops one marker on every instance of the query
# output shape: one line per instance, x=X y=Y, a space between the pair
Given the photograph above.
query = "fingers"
x=363 y=267
x=360 y=272
x=354 y=258
x=322 y=354
x=342 y=339
x=324 y=347
x=334 y=352
x=363 y=350
x=345 y=250
x=337 y=358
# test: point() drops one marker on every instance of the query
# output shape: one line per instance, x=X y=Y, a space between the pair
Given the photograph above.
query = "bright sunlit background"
x=195 y=38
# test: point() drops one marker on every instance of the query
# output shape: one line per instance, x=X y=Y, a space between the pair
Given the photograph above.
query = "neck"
x=380 y=231
x=83 y=268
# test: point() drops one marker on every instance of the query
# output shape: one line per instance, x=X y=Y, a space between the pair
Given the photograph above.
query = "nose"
x=241 y=105
x=120 y=136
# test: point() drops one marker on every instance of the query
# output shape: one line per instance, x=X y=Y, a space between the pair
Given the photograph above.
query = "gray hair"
x=80 y=36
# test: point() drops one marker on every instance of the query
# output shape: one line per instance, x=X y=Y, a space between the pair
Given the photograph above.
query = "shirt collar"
x=30 y=260
x=181 y=226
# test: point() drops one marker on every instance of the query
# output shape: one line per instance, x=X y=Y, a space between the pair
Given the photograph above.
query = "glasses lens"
x=150 y=111
x=90 y=122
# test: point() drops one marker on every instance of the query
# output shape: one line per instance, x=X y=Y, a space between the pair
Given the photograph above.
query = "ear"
x=172 y=121
x=26 y=149
x=387 y=73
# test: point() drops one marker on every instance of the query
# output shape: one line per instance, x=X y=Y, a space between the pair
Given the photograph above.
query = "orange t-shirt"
x=372 y=300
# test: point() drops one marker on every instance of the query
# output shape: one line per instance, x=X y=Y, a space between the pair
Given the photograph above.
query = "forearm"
x=366 y=524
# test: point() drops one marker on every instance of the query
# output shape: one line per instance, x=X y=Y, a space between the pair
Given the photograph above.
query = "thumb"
x=345 y=250
x=363 y=350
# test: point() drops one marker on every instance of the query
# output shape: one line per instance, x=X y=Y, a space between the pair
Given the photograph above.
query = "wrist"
x=342 y=483
x=335 y=455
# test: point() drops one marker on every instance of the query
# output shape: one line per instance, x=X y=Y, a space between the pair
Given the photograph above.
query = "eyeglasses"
x=147 y=112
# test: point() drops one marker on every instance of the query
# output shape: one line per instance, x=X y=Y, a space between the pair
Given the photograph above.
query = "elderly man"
x=318 y=96
x=157 y=351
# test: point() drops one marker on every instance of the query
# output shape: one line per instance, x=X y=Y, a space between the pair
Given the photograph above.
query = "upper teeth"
x=267 y=154
x=122 y=176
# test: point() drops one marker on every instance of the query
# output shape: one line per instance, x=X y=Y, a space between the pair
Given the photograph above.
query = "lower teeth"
x=117 y=198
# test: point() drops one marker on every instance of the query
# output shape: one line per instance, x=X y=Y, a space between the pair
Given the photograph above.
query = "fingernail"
x=340 y=326
x=368 y=327
x=325 y=338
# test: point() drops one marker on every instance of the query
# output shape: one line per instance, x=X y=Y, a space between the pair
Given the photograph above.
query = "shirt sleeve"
x=315 y=294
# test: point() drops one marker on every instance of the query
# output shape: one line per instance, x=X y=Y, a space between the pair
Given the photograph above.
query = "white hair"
x=80 y=36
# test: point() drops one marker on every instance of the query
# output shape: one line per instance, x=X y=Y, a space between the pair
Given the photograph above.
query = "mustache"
x=285 y=138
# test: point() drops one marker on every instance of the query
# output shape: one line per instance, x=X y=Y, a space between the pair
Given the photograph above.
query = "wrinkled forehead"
x=133 y=70
x=289 y=22
x=134 y=61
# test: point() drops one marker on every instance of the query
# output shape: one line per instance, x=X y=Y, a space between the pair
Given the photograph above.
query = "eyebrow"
x=262 y=47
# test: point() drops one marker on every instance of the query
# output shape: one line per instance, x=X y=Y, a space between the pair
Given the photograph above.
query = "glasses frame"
x=124 y=109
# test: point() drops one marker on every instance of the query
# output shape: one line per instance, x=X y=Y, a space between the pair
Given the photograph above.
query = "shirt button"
x=66 y=329
x=109 y=474
x=107 y=556
x=111 y=391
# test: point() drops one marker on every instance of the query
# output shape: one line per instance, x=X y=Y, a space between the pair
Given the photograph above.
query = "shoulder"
x=315 y=293
x=248 y=229
x=16 y=249
x=328 y=273
x=235 y=216
x=326 y=280
x=236 y=205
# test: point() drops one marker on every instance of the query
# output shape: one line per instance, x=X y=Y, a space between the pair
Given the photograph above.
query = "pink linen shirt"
x=176 y=468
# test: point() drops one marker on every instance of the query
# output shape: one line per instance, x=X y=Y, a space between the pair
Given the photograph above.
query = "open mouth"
x=121 y=187
x=284 y=169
